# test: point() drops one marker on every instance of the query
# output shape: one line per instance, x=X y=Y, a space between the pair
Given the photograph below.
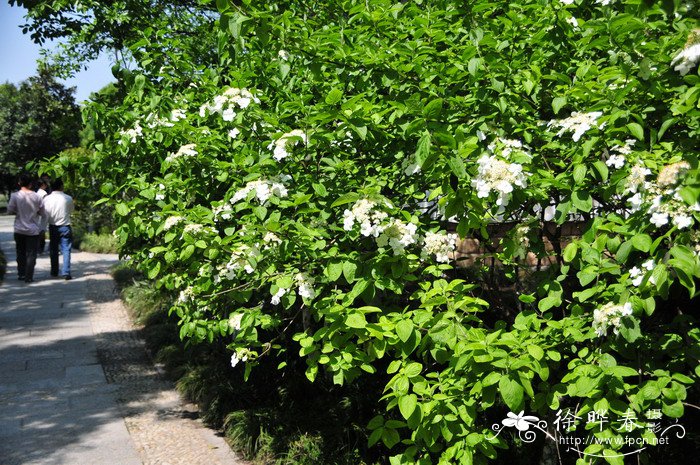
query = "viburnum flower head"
x=688 y=58
x=281 y=146
x=187 y=150
x=278 y=295
x=367 y=215
x=610 y=316
x=398 y=235
x=263 y=188
x=495 y=175
x=577 y=123
x=234 y=321
x=305 y=285
x=440 y=244
x=670 y=175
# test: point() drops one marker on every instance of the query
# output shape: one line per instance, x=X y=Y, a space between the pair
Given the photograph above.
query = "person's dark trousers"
x=60 y=237
x=42 y=241
x=26 y=248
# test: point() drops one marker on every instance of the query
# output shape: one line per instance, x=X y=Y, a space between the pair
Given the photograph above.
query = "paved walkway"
x=76 y=386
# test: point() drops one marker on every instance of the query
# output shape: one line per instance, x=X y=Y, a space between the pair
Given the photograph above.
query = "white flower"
x=578 y=123
x=286 y=141
x=160 y=196
x=636 y=178
x=234 y=321
x=686 y=58
x=637 y=276
x=567 y=2
x=398 y=235
x=172 y=221
x=278 y=295
x=439 y=244
x=648 y=265
x=186 y=295
x=233 y=133
x=635 y=202
x=364 y=213
x=235 y=359
x=283 y=55
x=659 y=219
x=573 y=22
x=177 y=114
x=132 y=134
x=243 y=257
x=228 y=114
x=618 y=161
x=682 y=221
x=671 y=174
x=609 y=316
x=305 y=285
x=271 y=239
x=264 y=189
x=187 y=150
x=498 y=176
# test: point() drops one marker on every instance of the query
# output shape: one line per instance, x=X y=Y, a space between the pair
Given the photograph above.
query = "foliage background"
x=396 y=103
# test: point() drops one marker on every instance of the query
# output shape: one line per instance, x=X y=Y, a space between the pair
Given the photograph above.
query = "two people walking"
x=32 y=215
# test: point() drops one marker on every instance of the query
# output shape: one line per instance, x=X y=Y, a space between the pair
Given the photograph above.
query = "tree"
x=38 y=119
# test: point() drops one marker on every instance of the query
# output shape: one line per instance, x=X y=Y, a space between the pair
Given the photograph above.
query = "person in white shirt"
x=58 y=207
x=42 y=192
x=26 y=205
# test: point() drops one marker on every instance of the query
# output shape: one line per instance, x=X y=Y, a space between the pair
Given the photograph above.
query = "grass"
x=266 y=419
x=98 y=243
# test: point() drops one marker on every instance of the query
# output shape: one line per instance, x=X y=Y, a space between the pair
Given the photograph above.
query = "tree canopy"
x=38 y=118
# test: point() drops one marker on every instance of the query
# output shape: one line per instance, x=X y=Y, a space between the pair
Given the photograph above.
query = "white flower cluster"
x=661 y=198
x=234 y=321
x=305 y=285
x=226 y=103
x=236 y=358
x=618 y=159
x=188 y=150
x=688 y=58
x=394 y=233
x=263 y=188
x=305 y=288
x=240 y=260
x=283 y=55
x=499 y=176
x=131 y=134
x=288 y=140
x=440 y=244
x=365 y=213
x=278 y=295
x=577 y=123
x=637 y=274
x=196 y=228
x=186 y=295
x=610 y=316
x=160 y=195
x=172 y=221
x=271 y=240
x=223 y=212
x=398 y=235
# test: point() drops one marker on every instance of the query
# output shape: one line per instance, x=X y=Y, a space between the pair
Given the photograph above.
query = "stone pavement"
x=76 y=386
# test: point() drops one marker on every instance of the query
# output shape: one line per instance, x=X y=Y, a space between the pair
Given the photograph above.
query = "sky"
x=18 y=55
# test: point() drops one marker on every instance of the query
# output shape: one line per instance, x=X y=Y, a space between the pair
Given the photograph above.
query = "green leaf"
x=407 y=405
x=153 y=272
x=511 y=392
x=558 y=103
x=474 y=65
x=636 y=130
x=536 y=352
x=404 y=329
x=629 y=329
x=345 y=199
x=334 y=270
x=433 y=109
x=356 y=320
x=580 y=173
x=349 y=270
x=570 y=252
x=334 y=96
x=423 y=149
x=641 y=242
x=582 y=200
x=122 y=209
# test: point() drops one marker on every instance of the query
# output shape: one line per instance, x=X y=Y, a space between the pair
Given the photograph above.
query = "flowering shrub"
x=305 y=197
